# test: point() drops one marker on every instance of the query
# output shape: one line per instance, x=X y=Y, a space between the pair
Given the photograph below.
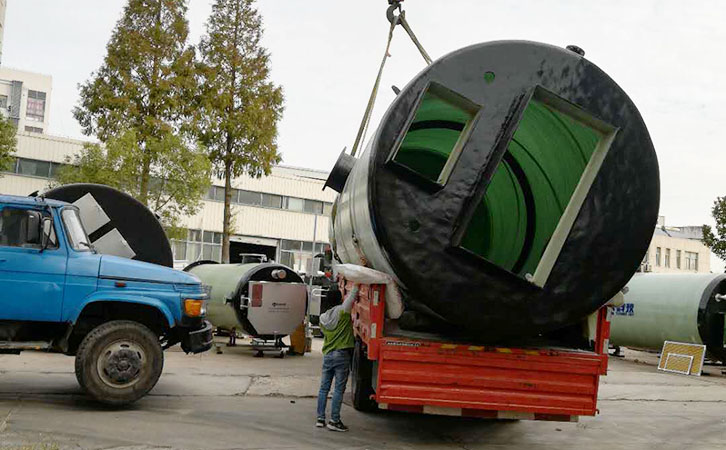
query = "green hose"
x=530 y=189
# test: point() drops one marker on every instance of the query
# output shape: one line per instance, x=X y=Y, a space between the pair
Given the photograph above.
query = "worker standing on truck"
x=337 y=327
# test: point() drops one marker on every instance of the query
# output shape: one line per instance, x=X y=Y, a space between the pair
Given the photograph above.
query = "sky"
x=669 y=56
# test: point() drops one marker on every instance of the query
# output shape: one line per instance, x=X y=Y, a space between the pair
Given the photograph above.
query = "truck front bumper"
x=198 y=341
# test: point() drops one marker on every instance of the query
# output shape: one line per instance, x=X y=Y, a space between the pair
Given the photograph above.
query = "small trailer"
x=415 y=372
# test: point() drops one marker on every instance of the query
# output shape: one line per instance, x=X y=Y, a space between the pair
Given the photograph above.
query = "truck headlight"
x=194 y=307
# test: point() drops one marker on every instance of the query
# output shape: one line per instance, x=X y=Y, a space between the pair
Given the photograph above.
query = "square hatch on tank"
x=435 y=134
x=521 y=218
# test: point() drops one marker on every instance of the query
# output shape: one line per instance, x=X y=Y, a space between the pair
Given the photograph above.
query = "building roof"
x=685 y=232
x=315 y=174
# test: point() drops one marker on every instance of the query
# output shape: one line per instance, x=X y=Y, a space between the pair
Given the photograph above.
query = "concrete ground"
x=236 y=401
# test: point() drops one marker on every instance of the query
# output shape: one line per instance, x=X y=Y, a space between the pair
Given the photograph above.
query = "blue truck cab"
x=116 y=315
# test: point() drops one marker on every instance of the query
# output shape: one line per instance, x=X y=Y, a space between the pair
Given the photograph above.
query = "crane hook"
x=394 y=5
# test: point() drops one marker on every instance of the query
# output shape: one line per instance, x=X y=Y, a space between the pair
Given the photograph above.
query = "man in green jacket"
x=337 y=327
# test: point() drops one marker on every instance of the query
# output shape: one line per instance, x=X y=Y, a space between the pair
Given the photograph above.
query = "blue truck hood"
x=129 y=269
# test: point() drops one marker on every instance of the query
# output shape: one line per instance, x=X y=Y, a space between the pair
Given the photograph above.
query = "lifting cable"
x=394 y=19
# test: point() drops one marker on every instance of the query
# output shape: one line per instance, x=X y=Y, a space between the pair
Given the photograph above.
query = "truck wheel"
x=119 y=362
x=362 y=379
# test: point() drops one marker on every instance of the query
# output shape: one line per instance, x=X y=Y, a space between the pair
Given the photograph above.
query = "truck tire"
x=362 y=379
x=119 y=362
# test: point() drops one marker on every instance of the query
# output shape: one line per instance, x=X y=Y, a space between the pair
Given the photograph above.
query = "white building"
x=25 y=98
x=283 y=215
x=677 y=250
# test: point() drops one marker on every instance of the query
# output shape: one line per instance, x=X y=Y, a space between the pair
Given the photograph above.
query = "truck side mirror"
x=47 y=229
x=32 y=227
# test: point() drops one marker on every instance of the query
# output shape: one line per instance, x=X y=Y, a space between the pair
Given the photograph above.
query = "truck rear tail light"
x=194 y=307
x=256 y=297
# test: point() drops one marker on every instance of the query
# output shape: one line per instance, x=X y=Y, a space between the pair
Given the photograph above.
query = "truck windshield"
x=76 y=234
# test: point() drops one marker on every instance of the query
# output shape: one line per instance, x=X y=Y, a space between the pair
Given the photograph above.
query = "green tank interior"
x=531 y=187
x=437 y=126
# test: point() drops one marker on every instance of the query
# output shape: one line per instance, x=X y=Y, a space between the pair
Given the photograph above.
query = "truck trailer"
x=419 y=372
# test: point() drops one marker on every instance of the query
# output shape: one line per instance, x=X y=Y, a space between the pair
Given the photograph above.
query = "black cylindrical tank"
x=511 y=188
x=116 y=223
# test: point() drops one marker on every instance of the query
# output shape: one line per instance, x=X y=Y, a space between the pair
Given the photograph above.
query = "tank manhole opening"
x=530 y=204
x=437 y=130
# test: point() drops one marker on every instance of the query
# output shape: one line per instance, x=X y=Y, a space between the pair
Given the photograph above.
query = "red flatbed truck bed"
x=431 y=376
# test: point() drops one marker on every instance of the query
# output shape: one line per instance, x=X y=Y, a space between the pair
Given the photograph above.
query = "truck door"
x=31 y=280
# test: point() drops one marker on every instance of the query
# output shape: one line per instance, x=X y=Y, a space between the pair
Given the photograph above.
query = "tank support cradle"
x=269 y=345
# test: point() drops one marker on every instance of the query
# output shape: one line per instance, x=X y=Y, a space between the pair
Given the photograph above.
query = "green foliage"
x=176 y=232
x=239 y=107
x=716 y=241
x=179 y=173
x=138 y=103
x=8 y=143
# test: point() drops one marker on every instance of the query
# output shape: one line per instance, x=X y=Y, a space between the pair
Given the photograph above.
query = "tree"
x=717 y=241
x=180 y=173
x=239 y=107
x=137 y=104
x=8 y=143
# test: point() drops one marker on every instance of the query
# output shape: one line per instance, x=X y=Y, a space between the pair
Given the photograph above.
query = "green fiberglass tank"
x=511 y=189
x=672 y=307
x=234 y=304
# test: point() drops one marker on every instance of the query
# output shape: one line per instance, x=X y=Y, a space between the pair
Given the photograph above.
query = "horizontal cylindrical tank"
x=511 y=189
x=230 y=306
x=672 y=307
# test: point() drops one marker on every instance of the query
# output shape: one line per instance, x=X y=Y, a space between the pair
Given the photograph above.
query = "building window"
x=298 y=255
x=4 y=101
x=54 y=168
x=194 y=246
x=313 y=206
x=692 y=261
x=212 y=237
x=678 y=259
x=33 y=168
x=294 y=204
x=33 y=129
x=36 y=106
x=644 y=263
x=217 y=193
x=199 y=245
x=271 y=201
x=657 y=256
x=179 y=250
x=668 y=257
x=251 y=198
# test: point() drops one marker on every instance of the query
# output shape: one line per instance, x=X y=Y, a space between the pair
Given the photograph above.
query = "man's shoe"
x=337 y=426
x=320 y=423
